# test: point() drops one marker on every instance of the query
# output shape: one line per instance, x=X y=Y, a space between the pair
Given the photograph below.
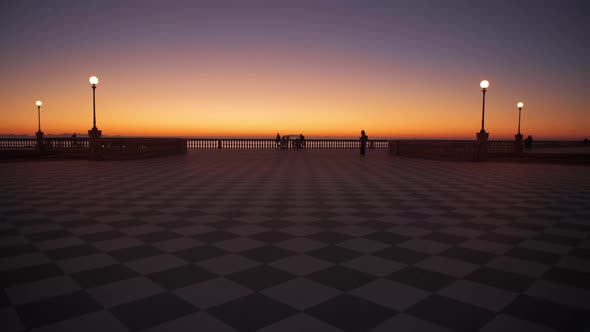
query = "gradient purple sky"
x=394 y=68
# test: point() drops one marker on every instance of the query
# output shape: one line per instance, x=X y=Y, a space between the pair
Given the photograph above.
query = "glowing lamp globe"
x=38 y=103
x=93 y=80
x=484 y=84
x=520 y=104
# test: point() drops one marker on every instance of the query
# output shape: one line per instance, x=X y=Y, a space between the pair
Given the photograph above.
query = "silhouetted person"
x=301 y=141
x=278 y=140
x=528 y=142
x=586 y=141
x=364 y=138
x=74 y=139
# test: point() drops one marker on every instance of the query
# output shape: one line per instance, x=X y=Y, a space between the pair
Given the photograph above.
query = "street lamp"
x=519 y=105
x=93 y=81
x=484 y=86
x=39 y=103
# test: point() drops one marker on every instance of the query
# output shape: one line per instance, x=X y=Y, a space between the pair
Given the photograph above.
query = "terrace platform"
x=268 y=240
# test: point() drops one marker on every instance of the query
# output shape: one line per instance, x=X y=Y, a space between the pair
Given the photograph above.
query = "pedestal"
x=40 y=146
x=482 y=140
x=94 y=144
x=518 y=148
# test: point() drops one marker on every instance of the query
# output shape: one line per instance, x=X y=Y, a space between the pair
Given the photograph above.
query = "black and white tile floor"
x=293 y=241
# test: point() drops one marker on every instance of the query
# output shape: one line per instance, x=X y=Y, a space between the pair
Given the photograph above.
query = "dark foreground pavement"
x=293 y=241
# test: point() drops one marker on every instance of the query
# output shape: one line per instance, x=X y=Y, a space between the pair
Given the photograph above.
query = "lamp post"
x=94 y=133
x=518 y=148
x=93 y=82
x=482 y=136
x=39 y=103
x=519 y=105
x=39 y=133
x=484 y=86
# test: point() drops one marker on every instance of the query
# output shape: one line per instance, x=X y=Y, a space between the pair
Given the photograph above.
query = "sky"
x=407 y=69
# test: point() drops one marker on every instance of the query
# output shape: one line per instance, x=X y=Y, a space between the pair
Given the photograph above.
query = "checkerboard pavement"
x=293 y=241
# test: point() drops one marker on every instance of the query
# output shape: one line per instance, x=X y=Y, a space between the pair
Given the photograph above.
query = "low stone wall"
x=436 y=150
x=136 y=148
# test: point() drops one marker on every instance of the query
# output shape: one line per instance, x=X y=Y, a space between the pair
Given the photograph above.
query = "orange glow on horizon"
x=219 y=96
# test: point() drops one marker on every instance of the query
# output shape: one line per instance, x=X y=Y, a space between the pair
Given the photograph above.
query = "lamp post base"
x=94 y=144
x=482 y=150
x=518 y=148
x=40 y=146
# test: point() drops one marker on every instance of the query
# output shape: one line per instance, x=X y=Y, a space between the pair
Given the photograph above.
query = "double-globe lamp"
x=484 y=86
x=93 y=82
x=39 y=103
x=520 y=104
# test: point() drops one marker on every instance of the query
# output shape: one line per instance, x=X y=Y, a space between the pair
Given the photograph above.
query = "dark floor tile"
x=252 y=312
x=131 y=253
x=542 y=257
x=477 y=226
x=581 y=253
x=572 y=226
x=351 y=313
x=145 y=213
x=71 y=252
x=214 y=236
x=387 y=237
x=9 y=232
x=28 y=274
x=4 y=300
x=152 y=311
x=414 y=215
x=73 y=224
x=468 y=255
x=420 y=278
x=276 y=223
x=266 y=254
x=452 y=314
x=341 y=278
x=502 y=216
x=334 y=254
x=190 y=214
x=501 y=279
x=526 y=226
x=378 y=226
x=428 y=225
x=568 y=277
x=102 y=236
x=400 y=254
x=158 y=236
x=200 y=253
x=271 y=236
x=132 y=222
x=445 y=238
x=49 y=235
x=500 y=238
x=17 y=250
x=103 y=275
x=455 y=215
x=260 y=277
x=543 y=312
x=175 y=224
x=558 y=239
x=36 y=314
x=330 y=237
x=181 y=276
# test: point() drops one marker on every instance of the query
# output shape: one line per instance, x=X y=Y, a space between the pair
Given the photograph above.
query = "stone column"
x=94 y=144
x=482 y=140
